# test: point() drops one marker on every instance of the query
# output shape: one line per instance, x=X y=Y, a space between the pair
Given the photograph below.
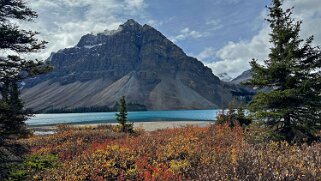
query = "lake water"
x=109 y=117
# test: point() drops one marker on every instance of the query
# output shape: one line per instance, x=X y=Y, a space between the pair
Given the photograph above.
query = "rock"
x=246 y=75
x=134 y=61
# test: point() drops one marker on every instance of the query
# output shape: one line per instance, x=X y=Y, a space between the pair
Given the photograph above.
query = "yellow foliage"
x=215 y=152
x=178 y=166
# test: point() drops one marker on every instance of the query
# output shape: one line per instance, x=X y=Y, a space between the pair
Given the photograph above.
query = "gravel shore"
x=147 y=126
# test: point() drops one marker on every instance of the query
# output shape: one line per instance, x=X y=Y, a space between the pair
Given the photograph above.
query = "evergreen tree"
x=292 y=72
x=233 y=116
x=121 y=116
x=15 y=42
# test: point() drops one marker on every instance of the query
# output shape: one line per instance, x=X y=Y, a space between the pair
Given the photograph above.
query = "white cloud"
x=63 y=22
x=208 y=54
x=234 y=58
x=137 y=4
x=186 y=33
x=215 y=24
x=309 y=11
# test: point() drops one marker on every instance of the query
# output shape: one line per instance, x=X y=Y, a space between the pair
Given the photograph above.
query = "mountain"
x=246 y=75
x=134 y=61
x=224 y=77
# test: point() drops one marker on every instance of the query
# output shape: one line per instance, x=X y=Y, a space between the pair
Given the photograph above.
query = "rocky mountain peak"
x=132 y=22
x=135 y=61
x=131 y=25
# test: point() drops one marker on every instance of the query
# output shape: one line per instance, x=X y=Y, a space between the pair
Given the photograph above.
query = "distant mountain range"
x=246 y=75
x=134 y=61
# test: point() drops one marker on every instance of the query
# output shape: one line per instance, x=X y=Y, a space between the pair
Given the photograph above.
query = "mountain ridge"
x=243 y=77
x=134 y=61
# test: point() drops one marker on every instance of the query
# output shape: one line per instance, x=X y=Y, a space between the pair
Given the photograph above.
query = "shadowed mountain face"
x=245 y=76
x=134 y=61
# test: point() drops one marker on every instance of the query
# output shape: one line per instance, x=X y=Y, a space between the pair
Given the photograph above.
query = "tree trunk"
x=287 y=121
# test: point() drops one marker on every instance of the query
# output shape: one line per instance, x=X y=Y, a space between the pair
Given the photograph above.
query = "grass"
x=216 y=152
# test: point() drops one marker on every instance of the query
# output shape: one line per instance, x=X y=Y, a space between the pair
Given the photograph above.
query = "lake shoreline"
x=40 y=120
x=147 y=126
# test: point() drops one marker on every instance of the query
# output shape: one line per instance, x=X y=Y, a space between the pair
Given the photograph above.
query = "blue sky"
x=217 y=22
x=224 y=34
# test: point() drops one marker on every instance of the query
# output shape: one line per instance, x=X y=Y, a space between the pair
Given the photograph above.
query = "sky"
x=224 y=34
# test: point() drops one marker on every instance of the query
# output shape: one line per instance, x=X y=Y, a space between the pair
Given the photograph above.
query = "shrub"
x=258 y=133
x=127 y=128
x=33 y=166
x=215 y=152
x=233 y=117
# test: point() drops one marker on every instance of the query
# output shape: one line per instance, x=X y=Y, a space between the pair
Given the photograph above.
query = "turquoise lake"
x=109 y=117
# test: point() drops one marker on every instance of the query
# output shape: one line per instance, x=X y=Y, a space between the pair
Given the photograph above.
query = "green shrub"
x=32 y=166
x=127 y=128
x=233 y=117
x=258 y=132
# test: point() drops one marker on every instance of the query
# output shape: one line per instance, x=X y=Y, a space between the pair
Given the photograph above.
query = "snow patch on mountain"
x=225 y=77
x=112 y=32
x=92 y=46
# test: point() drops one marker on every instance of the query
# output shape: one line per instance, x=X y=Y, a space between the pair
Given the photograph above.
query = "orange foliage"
x=189 y=153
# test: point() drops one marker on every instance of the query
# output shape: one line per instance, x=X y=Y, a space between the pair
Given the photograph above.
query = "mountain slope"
x=134 y=61
x=245 y=76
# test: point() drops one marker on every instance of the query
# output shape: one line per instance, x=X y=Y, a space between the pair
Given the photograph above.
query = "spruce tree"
x=121 y=116
x=292 y=73
x=14 y=42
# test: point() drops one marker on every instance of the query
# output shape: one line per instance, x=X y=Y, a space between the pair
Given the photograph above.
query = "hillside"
x=135 y=61
x=246 y=75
